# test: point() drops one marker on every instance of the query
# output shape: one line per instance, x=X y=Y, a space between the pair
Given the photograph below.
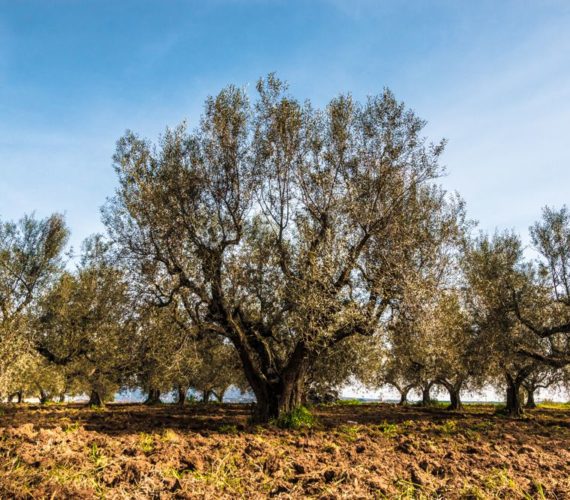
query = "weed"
x=483 y=425
x=500 y=481
x=448 y=427
x=350 y=432
x=175 y=473
x=408 y=489
x=170 y=436
x=68 y=428
x=224 y=475
x=146 y=442
x=388 y=429
x=473 y=493
x=96 y=456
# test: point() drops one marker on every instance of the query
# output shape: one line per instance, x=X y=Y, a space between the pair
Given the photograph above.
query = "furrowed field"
x=349 y=451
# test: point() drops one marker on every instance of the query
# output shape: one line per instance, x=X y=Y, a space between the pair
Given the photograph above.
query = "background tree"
x=494 y=267
x=30 y=259
x=85 y=323
x=549 y=317
x=543 y=377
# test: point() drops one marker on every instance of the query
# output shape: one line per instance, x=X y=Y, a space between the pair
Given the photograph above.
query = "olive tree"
x=85 y=323
x=494 y=267
x=30 y=259
x=282 y=227
x=549 y=317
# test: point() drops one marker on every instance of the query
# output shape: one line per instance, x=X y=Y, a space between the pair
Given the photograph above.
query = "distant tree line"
x=286 y=250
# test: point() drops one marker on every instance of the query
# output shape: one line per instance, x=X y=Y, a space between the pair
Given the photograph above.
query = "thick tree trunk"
x=426 y=398
x=455 y=400
x=62 y=398
x=17 y=395
x=276 y=391
x=530 y=403
x=95 y=399
x=514 y=408
x=153 y=397
x=206 y=393
x=454 y=390
x=284 y=394
x=219 y=395
x=44 y=397
x=181 y=395
x=403 y=396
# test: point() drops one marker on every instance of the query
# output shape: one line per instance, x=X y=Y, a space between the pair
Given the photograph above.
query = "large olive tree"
x=282 y=227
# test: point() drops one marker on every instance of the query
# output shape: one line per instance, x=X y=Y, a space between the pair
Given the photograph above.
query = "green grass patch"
x=296 y=419
x=348 y=402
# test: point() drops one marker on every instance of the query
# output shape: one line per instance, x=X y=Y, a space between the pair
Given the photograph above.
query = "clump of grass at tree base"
x=298 y=418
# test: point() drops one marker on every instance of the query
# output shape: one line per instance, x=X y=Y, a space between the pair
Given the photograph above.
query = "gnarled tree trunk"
x=95 y=398
x=403 y=391
x=278 y=393
x=514 y=384
x=17 y=395
x=426 y=398
x=206 y=393
x=530 y=403
x=181 y=395
x=454 y=390
x=153 y=397
x=44 y=396
x=514 y=405
x=219 y=395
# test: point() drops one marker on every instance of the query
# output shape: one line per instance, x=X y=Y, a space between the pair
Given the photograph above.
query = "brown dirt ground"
x=210 y=451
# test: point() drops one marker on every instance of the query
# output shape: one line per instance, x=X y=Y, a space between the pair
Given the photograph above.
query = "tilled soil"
x=210 y=451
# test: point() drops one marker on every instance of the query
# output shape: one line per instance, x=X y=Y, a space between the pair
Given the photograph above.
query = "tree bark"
x=206 y=393
x=95 y=399
x=426 y=398
x=455 y=400
x=454 y=390
x=219 y=395
x=514 y=408
x=530 y=403
x=153 y=397
x=44 y=396
x=62 y=398
x=17 y=395
x=403 y=396
x=181 y=395
x=276 y=393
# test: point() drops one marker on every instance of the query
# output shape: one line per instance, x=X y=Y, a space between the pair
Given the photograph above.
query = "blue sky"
x=492 y=77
